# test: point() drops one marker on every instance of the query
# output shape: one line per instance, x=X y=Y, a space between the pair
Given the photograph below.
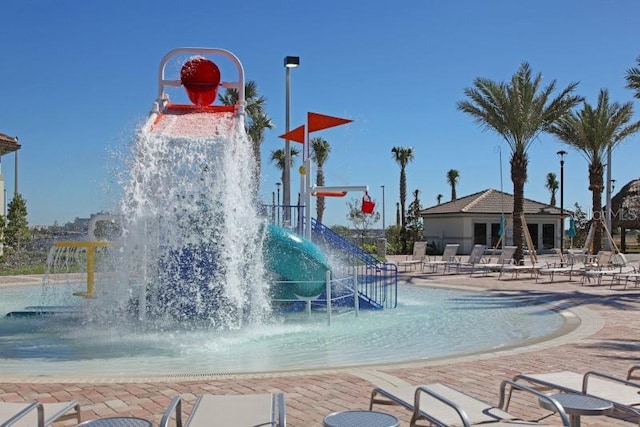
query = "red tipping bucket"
x=368 y=205
x=201 y=78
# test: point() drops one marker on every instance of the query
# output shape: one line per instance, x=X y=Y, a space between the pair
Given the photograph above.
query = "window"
x=479 y=233
x=533 y=232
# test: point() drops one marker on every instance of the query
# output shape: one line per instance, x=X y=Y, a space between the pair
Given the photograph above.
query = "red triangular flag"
x=296 y=135
x=320 y=121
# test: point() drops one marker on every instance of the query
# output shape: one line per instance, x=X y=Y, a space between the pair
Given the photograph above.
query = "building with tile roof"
x=475 y=219
x=8 y=144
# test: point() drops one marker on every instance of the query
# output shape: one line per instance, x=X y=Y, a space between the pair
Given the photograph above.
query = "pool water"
x=429 y=323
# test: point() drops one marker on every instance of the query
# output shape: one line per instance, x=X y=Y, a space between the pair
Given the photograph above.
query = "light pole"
x=383 y=223
x=289 y=63
x=273 y=210
x=278 y=187
x=561 y=154
x=609 y=190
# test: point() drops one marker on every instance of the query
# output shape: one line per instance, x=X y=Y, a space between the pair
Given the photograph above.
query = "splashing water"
x=192 y=241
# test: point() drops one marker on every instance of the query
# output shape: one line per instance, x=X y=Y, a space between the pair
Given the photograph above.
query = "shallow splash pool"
x=429 y=323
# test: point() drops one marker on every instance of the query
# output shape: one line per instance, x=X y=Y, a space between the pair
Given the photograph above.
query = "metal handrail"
x=378 y=280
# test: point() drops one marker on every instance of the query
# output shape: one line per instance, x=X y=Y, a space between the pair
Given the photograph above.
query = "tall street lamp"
x=561 y=154
x=383 y=223
x=289 y=63
x=609 y=190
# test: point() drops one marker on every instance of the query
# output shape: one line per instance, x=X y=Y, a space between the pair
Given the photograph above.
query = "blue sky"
x=77 y=77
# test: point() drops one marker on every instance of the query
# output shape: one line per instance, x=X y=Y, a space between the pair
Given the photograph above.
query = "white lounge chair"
x=441 y=405
x=533 y=267
x=551 y=269
x=417 y=258
x=37 y=414
x=631 y=274
x=476 y=258
x=448 y=256
x=614 y=269
x=574 y=263
x=623 y=393
x=599 y=268
x=246 y=410
x=505 y=257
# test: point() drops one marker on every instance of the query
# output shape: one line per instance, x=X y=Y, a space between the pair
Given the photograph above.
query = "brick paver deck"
x=608 y=340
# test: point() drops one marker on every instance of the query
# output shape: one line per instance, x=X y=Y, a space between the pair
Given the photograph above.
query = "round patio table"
x=117 y=422
x=360 y=418
x=577 y=405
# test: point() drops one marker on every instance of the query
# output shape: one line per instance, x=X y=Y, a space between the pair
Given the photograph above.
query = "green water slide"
x=296 y=259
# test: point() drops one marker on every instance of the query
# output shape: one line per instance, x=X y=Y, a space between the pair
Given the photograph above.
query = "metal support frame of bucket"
x=163 y=98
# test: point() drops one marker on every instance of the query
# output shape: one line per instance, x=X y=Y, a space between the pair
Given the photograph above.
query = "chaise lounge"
x=505 y=258
x=476 y=258
x=37 y=414
x=417 y=258
x=250 y=410
x=622 y=393
x=448 y=256
x=441 y=405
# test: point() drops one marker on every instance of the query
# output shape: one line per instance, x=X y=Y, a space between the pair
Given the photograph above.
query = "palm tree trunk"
x=320 y=199
x=596 y=185
x=519 y=162
x=403 y=217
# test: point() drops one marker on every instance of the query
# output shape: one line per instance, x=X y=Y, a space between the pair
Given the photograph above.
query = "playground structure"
x=201 y=79
x=83 y=251
x=302 y=270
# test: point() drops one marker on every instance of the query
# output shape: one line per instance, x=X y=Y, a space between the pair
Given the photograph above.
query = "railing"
x=338 y=294
x=377 y=280
x=277 y=214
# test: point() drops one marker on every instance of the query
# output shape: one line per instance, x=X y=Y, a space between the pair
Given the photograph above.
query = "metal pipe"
x=286 y=173
x=609 y=195
x=327 y=280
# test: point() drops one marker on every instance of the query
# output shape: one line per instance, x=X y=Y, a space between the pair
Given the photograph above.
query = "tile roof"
x=8 y=144
x=490 y=202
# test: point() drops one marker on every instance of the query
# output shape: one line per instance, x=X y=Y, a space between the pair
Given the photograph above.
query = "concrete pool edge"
x=579 y=323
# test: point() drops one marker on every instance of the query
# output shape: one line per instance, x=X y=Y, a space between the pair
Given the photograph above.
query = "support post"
x=328 y=292
x=356 y=298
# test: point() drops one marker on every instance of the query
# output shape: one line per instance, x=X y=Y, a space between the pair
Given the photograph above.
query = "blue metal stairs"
x=377 y=280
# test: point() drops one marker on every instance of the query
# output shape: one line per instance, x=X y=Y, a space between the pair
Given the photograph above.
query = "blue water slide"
x=295 y=259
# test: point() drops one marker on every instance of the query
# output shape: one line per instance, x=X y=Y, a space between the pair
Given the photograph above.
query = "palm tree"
x=439 y=198
x=633 y=79
x=452 y=179
x=257 y=120
x=403 y=155
x=278 y=158
x=552 y=185
x=593 y=131
x=321 y=150
x=518 y=111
